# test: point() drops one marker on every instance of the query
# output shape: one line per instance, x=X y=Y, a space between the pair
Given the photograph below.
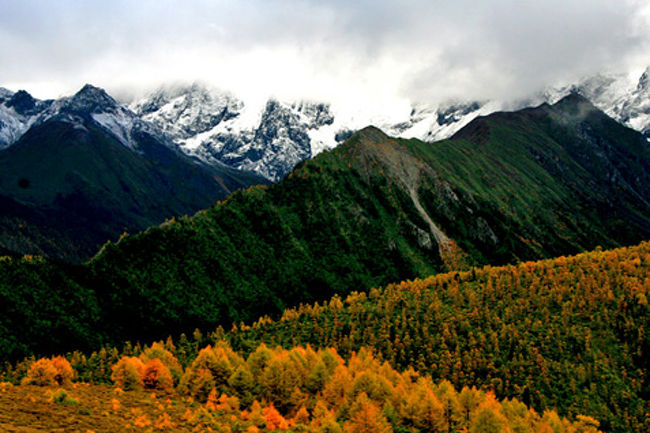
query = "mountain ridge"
x=89 y=163
x=349 y=219
x=218 y=128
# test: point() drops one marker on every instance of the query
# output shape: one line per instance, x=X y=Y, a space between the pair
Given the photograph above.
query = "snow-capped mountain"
x=80 y=170
x=18 y=111
x=430 y=123
x=271 y=138
x=279 y=141
x=95 y=105
x=185 y=112
x=634 y=108
x=219 y=128
x=620 y=96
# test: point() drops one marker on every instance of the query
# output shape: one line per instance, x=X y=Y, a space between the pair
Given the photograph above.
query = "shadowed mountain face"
x=87 y=170
x=569 y=177
x=540 y=182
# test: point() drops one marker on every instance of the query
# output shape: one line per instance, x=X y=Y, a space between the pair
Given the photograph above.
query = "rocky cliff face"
x=220 y=129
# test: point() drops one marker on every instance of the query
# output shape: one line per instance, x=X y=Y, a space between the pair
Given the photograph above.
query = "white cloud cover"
x=381 y=55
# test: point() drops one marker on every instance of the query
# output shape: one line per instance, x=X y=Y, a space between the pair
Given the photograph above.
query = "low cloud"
x=376 y=54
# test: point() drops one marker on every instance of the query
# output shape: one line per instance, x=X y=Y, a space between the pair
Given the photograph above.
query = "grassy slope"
x=552 y=182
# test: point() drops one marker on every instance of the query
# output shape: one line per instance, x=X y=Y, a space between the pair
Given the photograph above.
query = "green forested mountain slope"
x=511 y=186
x=68 y=187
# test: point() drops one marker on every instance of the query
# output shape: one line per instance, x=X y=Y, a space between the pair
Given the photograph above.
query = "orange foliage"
x=274 y=421
x=319 y=390
x=156 y=375
x=211 y=403
x=302 y=416
x=164 y=422
x=64 y=372
x=142 y=421
x=227 y=404
x=158 y=351
x=49 y=372
x=41 y=373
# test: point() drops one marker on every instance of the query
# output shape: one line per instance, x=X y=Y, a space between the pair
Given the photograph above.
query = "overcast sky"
x=371 y=52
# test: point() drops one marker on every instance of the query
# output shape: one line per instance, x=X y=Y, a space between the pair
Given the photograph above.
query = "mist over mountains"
x=270 y=138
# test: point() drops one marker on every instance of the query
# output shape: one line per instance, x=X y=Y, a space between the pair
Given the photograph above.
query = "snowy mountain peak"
x=183 y=112
x=93 y=106
x=219 y=128
x=431 y=122
x=317 y=114
x=91 y=99
x=18 y=111
x=644 y=81
x=455 y=112
x=5 y=94
x=271 y=136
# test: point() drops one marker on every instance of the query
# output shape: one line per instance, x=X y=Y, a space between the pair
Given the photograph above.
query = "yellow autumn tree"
x=127 y=372
x=49 y=372
x=366 y=417
x=159 y=351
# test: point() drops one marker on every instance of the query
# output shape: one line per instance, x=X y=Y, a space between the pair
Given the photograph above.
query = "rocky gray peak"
x=150 y=105
x=218 y=128
x=275 y=116
x=280 y=128
x=317 y=114
x=22 y=102
x=271 y=147
x=91 y=99
x=455 y=112
x=18 y=111
x=633 y=108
